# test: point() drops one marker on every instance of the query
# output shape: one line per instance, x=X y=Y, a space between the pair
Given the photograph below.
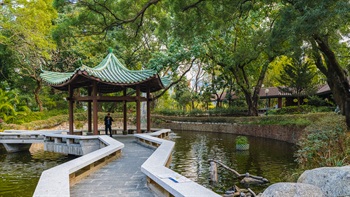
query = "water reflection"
x=266 y=158
x=20 y=172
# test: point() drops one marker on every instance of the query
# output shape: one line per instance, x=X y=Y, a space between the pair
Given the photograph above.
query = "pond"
x=20 y=172
x=270 y=159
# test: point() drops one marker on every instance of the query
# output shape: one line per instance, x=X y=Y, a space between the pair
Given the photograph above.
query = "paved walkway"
x=121 y=177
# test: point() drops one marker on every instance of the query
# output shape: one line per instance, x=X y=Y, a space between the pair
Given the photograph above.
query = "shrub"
x=325 y=143
x=241 y=140
x=303 y=109
x=168 y=112
x=318 y=101
x=233 y=111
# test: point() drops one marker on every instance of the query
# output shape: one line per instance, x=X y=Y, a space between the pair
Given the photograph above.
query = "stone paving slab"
x=121 y=177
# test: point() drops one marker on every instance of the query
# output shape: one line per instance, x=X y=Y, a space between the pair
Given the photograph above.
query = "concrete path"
x=121 y=177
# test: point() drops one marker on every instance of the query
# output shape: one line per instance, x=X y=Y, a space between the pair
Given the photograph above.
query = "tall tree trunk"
x=243 y=82
x=252 y=107
x=253 y=99
x=36 y=94
x=347 y=112
x=336 y=77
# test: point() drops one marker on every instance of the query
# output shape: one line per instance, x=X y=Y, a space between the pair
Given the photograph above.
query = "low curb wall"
x=288 y=133
x=162 y=180
x=56 y=181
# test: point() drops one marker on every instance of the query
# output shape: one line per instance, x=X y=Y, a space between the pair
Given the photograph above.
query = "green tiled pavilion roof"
x=110 y=74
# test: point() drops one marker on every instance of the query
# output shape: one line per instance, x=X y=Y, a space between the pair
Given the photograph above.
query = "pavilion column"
x=89 y=113
x=71 y=114
x=148 y=111
x=138 y=110
x=125 y=118
x=95 y=108
x=279 y=102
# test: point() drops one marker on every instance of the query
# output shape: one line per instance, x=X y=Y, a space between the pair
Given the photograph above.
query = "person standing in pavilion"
x=108 y=124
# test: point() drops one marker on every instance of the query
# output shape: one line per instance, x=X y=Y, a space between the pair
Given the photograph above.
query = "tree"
x=297 y=78
x=182 y=94
x=196 y=78
x=217 y=84
x=318 y=26
x=26 y=29
x=241 y=49
x=170 y=22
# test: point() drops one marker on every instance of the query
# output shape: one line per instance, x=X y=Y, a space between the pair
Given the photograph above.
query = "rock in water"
x=333 y=181
x=252 y=181
x=292 y=190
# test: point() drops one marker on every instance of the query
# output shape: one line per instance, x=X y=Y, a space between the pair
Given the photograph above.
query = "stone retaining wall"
x=289 y=134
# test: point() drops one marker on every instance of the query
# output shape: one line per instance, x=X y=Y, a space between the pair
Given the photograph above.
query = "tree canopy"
x=237 y=44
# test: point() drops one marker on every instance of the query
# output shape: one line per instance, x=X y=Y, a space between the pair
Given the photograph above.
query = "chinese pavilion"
x=108 y=77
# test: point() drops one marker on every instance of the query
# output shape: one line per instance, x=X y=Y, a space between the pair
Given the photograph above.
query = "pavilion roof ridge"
x=112 y=70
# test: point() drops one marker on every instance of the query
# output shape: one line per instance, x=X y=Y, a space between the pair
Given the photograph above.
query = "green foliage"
x=166 y=102
x=285 y=120
x=169 y=112
x=48 y=119
x=33 y=116
x=27 y=27
x=303 y=109
x=326 y=143
x=318 y=101
x=241 y=140
x=182 y=94
x=298 y=78
x=233 y=41
x=11 y=107
x=232 y=111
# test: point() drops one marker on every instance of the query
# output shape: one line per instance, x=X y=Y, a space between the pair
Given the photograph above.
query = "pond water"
x=270 y=159
x=20 y=172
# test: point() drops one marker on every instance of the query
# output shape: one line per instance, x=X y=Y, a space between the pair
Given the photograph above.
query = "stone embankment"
x=289 y=134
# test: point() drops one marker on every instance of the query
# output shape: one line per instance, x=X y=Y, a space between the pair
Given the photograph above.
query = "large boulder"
x=292 y=190
x=333 y=181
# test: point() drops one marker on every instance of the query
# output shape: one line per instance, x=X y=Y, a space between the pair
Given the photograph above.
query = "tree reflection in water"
x=267 y=158
x=20 y=172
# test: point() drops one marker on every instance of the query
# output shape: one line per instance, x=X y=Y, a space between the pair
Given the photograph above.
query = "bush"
x=303 y=109
x=233 y=111
x=34 y=116
x=325 y=143
x=241 y=140
x=170 y=112
x=318 y=101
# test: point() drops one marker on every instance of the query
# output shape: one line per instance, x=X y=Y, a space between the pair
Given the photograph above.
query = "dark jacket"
x=108 y=122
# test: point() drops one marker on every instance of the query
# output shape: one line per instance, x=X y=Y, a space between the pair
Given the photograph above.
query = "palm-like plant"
x=8 y=102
